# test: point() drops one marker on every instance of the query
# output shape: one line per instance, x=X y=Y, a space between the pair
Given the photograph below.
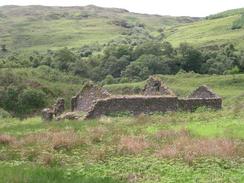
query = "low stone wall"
x=147 y=104
x=192 y=104
x=133 y=104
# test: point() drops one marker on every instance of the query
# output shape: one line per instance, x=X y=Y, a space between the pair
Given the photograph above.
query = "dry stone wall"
x=144 y=104
x=154 y=86
x=84 y=100
x=133 y=104
x=156 y=97
x=192 y=104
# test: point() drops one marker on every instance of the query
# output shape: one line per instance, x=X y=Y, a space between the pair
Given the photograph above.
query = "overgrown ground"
x=205 y=146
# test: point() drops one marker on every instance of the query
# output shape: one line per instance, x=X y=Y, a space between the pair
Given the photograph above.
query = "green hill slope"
x=42 y=28
x=215 y=29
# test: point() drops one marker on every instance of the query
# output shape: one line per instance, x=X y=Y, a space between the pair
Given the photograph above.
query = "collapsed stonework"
x=84 y=100
x=58 y=107
x=56 y=110
x=154 y=86
x=201 y=97
x=156 y=97
x=203 y=92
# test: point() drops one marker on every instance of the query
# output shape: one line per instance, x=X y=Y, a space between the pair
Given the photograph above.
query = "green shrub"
x=239 y=23
x=4 y=114
x=31 y=100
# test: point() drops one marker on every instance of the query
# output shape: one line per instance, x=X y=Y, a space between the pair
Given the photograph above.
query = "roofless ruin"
x=96 y=101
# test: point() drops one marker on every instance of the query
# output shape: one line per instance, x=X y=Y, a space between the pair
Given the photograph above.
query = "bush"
x=31 y=100
x=4 y=114
x=239 y=23
x=109 y=79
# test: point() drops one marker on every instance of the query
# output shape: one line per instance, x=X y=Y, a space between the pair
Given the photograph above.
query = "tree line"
x=123 y=61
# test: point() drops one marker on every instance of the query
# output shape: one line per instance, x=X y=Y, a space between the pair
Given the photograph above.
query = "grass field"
x=40 y=28
x=208 y=32
x=204 y=146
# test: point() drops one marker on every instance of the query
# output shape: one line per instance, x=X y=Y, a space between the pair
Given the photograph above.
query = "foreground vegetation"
x=174 y=147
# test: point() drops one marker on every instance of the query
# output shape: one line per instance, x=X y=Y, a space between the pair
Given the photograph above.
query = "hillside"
x=41 y=28
x=215 y=29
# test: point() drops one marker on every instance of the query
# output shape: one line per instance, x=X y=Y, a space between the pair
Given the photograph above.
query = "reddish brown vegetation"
x=7 y=139
x=171 y=134
x=56 y=140
x=96 y=134
x=132 y=145
x=189 y=148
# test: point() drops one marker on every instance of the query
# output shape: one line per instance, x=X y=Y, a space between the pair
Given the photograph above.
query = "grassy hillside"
x=41 y=28
x=215 y=30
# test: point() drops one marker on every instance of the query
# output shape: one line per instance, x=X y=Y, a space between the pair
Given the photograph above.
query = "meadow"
x=206 y=33
x=38 y=28
x=204 y=146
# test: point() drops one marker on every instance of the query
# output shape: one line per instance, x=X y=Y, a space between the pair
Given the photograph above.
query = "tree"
x=146 y=65
x=80 y=68
x=191 y=58
x=109 y=79
x=30 y=100
x=114 y=66
x=63 y=58
x=149 y=47
x=168 y=49
x=136 y=70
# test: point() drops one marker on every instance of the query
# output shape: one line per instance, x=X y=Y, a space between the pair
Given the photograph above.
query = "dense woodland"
x=133 y=60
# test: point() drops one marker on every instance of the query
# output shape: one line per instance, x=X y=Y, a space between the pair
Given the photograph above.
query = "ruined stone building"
x=96 y=101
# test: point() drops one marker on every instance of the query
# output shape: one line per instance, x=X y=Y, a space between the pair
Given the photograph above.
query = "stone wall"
x=154 y=86
x=133 y=104
x=192 y=104
x=84 y=100
x=148 y=104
